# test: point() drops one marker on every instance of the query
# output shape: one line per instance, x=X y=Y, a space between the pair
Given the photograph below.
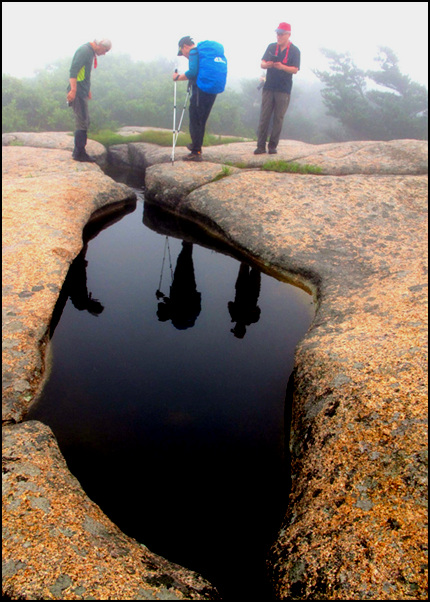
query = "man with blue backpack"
x=207 y=74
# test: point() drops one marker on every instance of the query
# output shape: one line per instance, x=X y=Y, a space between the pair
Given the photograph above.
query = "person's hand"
x=89 y=96
x=71 y=96
x=278 y=66
x=175 y=76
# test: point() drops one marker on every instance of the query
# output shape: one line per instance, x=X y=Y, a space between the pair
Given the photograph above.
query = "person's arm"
x=71 y=95
x=193 y=65
x=80 y=69
x=286 y=68
x=267 y=64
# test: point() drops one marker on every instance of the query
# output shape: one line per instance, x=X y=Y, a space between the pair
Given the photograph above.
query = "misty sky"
x=37 y=33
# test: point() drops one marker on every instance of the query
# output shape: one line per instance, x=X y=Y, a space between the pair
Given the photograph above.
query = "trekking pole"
x=174 y=121
x=183 y=111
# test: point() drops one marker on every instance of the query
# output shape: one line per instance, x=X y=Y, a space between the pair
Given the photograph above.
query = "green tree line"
x=379 y=104
x=345 y=104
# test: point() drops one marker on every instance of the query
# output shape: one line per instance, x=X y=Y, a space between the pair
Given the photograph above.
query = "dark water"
x=167 y=394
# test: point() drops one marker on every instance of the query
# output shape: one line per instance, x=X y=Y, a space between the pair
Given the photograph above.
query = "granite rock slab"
x=60 y=545
x=47 y=200
x=401 y=157
x=354 y=237
x=356 y=526
x=57 y=543
x=54 y=140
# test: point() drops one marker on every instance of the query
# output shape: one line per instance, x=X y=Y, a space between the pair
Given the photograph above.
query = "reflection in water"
x=75 y=288
x=193 y=415
x=244 y=310
x=184 y=304
x=75 y=284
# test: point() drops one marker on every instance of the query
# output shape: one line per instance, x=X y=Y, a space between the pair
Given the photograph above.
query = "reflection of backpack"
x=212 y=67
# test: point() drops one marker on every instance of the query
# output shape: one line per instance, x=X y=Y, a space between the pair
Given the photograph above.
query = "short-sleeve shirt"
x=80 y=69
x=279 y=81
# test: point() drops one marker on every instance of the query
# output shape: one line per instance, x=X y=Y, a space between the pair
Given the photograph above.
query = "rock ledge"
x=357 y=236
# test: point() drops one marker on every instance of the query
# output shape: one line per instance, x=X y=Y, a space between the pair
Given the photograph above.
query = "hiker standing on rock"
x=207 y=75
x=282 y=61
x=78 y=92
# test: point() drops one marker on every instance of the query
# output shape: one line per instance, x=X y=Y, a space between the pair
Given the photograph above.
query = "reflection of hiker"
x=75 y=287
x=183 y=306
x=244 y=310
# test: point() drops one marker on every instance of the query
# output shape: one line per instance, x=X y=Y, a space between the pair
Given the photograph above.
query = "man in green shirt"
x=79 y=92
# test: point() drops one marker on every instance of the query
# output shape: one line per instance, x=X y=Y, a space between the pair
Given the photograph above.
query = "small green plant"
x=225 y=171
x=287 y=167
x=238 y=164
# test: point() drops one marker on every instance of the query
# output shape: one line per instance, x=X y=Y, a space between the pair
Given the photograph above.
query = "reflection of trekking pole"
x=158 y=293
x=174 y=121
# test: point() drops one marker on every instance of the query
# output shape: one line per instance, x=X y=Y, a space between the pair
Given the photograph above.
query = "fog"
x=34 y=34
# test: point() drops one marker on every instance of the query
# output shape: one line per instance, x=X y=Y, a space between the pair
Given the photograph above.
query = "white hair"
x=104 y=42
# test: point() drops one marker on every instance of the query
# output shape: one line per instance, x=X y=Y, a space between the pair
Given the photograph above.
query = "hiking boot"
x=79 y=152
x=273 y=151
x=190 y=148
x=83 y=157
x=260 y=151
x=193 y=157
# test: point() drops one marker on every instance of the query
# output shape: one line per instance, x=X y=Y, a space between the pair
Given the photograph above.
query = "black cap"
x=185 y=40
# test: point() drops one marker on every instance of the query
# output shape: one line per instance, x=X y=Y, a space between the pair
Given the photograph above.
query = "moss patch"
x=287 y=167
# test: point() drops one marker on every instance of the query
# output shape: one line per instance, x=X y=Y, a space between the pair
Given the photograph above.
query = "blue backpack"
x=212 y=74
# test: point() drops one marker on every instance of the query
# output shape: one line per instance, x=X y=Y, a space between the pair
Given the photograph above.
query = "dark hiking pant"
x=80 y=109
x=201 y=104
x=276 y=104
x=82 y=122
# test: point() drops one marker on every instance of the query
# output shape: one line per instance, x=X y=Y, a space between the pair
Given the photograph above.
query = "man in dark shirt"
x=79 y=92
x=282 y=61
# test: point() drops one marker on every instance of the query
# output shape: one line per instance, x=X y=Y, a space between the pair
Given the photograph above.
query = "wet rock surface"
x=357 y=237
